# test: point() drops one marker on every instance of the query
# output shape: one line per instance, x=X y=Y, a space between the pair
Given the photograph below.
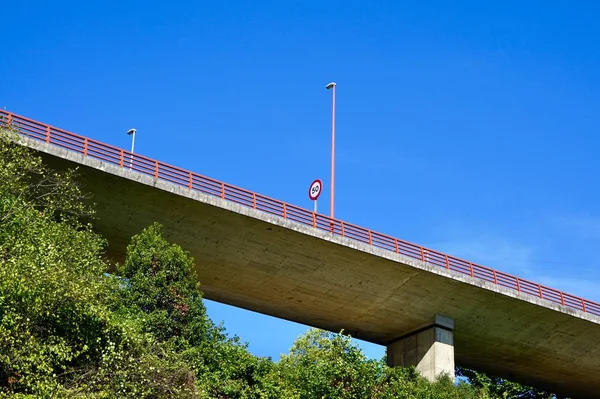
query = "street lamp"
x=131 y=132
x=331 y=86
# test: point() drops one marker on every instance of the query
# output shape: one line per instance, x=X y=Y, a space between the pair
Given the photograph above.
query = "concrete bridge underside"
x=264 y=263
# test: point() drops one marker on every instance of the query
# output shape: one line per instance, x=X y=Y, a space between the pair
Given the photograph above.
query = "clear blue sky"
x=468 y=127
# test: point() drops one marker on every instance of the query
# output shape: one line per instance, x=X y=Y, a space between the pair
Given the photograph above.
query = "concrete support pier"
x=430 y=349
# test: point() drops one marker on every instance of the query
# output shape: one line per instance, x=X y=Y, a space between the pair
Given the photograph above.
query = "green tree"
x=50 y=275
x=161 y=283
x=58 y=334
x=407 y=383
x=500 y=388
x=326 y=365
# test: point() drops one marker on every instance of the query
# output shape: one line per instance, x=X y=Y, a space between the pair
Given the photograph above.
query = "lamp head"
x=131 y=131
x=330 y=85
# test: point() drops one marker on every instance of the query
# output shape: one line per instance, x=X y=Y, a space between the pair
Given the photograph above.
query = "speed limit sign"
x=315 y=190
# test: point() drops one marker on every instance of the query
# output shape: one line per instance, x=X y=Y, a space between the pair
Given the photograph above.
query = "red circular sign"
x=315 y=190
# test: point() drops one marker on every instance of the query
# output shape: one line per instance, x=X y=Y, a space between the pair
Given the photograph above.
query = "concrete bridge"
x=430 y=309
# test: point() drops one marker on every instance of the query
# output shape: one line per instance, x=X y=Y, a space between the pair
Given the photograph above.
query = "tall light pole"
x=331 y=86
x=131 y=132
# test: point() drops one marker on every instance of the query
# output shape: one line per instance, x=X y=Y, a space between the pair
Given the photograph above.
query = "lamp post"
x=331 y=86
x=131 y=132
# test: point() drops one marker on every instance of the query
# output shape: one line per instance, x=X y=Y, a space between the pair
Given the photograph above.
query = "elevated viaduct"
x=430 y=309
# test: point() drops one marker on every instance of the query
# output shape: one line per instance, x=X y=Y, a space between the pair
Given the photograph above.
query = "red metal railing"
x=194 y=181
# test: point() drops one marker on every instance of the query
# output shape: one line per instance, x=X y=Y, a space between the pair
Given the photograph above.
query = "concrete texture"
x=429 y=349
x=264 y=263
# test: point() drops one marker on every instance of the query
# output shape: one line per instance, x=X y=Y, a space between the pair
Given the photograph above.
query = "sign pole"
x=315 y=206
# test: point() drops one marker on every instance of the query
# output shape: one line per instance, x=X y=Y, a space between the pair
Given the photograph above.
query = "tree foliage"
x=70 y=329
x=326 y=365
x=501 y=388
x=52 y=292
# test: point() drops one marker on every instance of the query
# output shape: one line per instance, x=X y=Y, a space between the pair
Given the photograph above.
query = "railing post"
x=540 y=289
x=9 y=120
x=156 y=169
x=471 y=269
x=284 y=211
x=342 y=227
x=254 y=200
x=121 y=159
x=447 y=262
x=518 y=284
x=583 y=305
x=396 y=246
x=190 y=182
x=47 y=134
x=223 y=190
x=85 y=146
x=495 y=277
x=314 y=220
x=422 y=254
x=370 y=238
x=562 y=299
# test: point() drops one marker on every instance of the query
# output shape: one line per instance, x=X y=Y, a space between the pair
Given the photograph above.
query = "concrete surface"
x=429 y=349
x=264 y=263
